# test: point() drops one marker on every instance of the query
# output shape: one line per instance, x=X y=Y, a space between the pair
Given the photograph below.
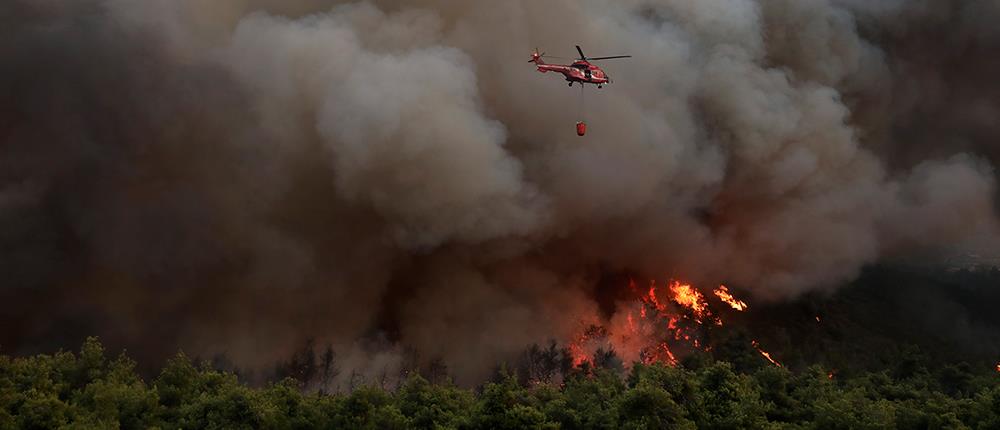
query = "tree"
x=85 y=390
x=650 y=407
x=330 y=369
x=428 y=406
x=368 y=408
x=588 y=401
x=507 y=405
x=731 y=401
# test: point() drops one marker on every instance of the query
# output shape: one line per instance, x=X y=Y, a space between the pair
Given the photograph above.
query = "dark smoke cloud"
x=239 y=176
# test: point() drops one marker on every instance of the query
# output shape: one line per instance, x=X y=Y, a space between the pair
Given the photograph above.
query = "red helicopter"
x=581 y=70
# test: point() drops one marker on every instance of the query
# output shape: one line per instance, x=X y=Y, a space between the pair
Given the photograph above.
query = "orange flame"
x=765 y=354
x=651 y=295
x=659 y=320
x=723 y=294
x=669 y=355
x=576 y=351
x=689 y=298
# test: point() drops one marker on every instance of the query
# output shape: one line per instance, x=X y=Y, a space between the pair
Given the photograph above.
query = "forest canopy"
x=90 y=389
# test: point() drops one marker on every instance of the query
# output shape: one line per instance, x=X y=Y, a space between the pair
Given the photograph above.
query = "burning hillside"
x=657 y=322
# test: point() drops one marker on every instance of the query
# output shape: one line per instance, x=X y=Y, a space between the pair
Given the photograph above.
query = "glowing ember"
x=723 y=294
x=765 y=354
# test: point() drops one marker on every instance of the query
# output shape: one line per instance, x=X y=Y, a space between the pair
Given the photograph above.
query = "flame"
x=667 y=357
x=765 y=354
x=652 y=297
x=723 y=294
x=656 y=326
x=689 y=298
x=817 y=318
x=584 y=345
x=576 y=351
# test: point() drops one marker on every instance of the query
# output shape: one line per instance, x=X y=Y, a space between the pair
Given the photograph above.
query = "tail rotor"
x=537 y=58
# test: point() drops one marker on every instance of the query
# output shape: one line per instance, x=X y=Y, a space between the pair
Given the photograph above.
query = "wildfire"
x=689 y=298
x=577 y=352
x=998 y=367
x=765 y=354
x=723 y=294
x=580 y=348
x=657 y=326
x=666 y=355
x=652 y=297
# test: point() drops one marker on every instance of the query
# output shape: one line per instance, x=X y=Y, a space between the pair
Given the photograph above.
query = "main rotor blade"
x=609 y=58
x=582 y=57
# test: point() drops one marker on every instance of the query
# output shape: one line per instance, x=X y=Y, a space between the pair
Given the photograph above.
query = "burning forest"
x=657 y=322
x=788 y=187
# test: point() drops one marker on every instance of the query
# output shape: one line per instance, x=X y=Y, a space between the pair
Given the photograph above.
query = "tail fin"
x=537 y=58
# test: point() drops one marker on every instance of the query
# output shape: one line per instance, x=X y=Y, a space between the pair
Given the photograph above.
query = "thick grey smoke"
x=235 y=177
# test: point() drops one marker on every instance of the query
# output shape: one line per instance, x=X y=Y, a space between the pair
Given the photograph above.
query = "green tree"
x=430 y=406
x=587 y=401
x=507 y=405
x=650 y=407
x=368 y=408
x=731 y=401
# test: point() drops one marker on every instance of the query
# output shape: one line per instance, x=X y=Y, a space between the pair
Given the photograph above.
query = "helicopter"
x=581 y=70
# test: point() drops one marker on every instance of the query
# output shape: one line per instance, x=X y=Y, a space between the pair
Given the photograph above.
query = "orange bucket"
x=581 y=128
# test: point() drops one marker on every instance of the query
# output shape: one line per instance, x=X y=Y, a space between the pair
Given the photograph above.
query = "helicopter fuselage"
x=580 y=71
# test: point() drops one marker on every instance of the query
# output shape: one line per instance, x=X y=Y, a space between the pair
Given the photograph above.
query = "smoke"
x=236 y=177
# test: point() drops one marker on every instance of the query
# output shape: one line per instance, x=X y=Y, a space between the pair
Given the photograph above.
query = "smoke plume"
x=236 y=177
